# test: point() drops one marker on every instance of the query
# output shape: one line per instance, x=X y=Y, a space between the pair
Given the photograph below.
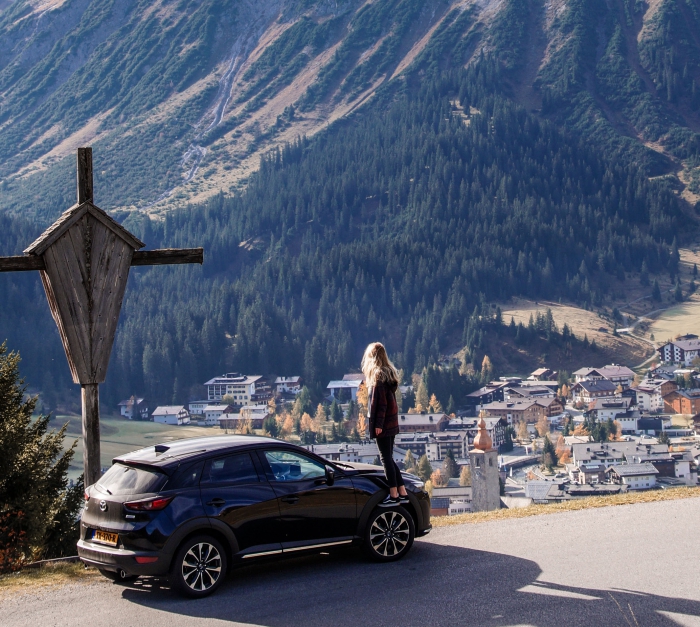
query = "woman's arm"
x=379 y=404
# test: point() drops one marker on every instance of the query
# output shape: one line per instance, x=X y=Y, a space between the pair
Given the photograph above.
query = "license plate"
x=105 y=537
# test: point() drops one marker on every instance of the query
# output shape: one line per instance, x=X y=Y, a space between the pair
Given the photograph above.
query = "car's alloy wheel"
x=390 y=534
x=199 y=567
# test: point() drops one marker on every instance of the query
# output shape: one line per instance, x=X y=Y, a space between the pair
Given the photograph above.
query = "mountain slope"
x=180 y=99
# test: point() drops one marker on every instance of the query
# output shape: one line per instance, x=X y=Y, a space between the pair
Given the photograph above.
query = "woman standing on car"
x=382 y=381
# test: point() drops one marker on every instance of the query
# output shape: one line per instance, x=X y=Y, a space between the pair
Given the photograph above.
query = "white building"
x=649 y=398
x=681 y=351
x=197 y=407
x=239 y=387
x=609 y=408
x=359 y=452
x=338 y=389
x=288 y=385
x=171 y=415
x=635 y=476
x=212 y=413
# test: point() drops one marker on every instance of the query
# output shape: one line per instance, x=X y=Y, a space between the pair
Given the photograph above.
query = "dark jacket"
x=383 y=410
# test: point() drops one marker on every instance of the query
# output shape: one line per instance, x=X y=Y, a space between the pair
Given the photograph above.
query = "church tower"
x=483 y=458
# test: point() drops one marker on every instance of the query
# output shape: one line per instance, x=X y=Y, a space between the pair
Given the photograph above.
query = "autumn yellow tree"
x=581 y=430
x=288 y=425
x=321 y=416
x=617 y=434
x=564 y=391
x=272 y=406
x=438 y=478
x=307 y=424
x=465 y=476
x=542 y=426
x=434 y=405
x=523 y=433
x=362 y=426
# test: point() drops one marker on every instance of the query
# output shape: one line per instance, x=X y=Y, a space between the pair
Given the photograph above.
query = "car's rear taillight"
x=149 y=505
x=86 y=495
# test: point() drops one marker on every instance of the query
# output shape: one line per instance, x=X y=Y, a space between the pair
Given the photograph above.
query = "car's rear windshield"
x=121 y=479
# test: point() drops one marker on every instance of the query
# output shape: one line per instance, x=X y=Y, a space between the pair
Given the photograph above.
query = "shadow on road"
x=433 y=585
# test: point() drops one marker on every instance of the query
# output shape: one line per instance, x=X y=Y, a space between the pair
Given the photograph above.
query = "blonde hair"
x=376 y=365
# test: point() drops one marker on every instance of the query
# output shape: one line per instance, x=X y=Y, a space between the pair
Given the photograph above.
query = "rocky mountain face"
x=180 y=98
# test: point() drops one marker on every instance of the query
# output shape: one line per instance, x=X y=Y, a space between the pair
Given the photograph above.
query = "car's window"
x=121 y=479
x=236 y=468
x=291 y=466
x=186 y=476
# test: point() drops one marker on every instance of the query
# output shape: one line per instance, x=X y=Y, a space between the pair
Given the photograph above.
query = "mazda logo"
x=103 y=506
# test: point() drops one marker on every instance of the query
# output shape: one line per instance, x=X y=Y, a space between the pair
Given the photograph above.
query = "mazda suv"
x=191 y=509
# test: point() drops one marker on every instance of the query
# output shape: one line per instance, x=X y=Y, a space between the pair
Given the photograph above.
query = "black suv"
x=189 y=509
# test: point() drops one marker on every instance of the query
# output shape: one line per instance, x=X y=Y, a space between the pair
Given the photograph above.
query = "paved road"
x=622 y=566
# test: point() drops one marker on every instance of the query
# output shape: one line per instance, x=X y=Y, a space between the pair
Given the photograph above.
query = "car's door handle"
x=216 y=502
x=290 y=499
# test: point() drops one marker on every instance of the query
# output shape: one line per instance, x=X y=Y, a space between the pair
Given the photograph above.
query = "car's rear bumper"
x=114 y=559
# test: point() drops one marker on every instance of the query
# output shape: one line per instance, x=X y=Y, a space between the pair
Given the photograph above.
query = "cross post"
x=84 y=259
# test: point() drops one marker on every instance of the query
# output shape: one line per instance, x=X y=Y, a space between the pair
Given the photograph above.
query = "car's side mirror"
x=330 y=476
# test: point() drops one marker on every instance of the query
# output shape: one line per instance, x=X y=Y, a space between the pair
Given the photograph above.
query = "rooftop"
x=631 y=470
x=234 y=378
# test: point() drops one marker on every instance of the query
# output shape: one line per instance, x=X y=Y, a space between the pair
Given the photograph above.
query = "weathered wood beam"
x=165 y=256
x=84 y=175
x=21 y=263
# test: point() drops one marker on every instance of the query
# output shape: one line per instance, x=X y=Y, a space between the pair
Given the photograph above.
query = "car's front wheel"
x=389 y=534
x=199 y=567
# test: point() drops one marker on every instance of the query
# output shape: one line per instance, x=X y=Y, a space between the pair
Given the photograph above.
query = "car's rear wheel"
x=120 y=576
x=199 y=567
x=389 y=534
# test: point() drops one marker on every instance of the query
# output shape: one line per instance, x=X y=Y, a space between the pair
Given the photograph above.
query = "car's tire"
x=199 y=567
x=119 y=576
x=389 y=534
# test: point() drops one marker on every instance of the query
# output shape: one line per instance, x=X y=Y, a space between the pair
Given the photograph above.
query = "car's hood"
x=362 y=468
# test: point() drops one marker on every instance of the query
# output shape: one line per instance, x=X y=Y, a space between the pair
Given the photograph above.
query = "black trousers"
x=386 y=454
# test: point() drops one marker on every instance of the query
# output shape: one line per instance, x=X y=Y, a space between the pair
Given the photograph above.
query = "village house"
x=514 y=411
x=196 y=408
x=212 y=413
x=288 y=385
x=254 y=415
x=171 y=415
x=628 y=421
x=134 y=408
x=492 y=392
x=681 y=351
x=240 y=388
x=618 y=375
x=423 y=423
x=360 y=452
x=495 y=427
x=543 y=374
x=527 y=392
x=650 y=394
x=346 y=389
x=552 y=406
x=588 y=390
x=608 y=408
x=591 y=473
x=683 y=402
x=634 y=476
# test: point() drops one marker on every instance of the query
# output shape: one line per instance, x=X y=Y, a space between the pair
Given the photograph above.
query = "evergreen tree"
x=38 y=509
x=449 y=466
x=549 y=454
x=409 y=462
x=422 y=398
x=656 y=291
x=424 y=469
x=336 y=415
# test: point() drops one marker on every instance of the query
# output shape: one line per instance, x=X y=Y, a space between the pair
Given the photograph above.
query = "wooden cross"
x=84 y=259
